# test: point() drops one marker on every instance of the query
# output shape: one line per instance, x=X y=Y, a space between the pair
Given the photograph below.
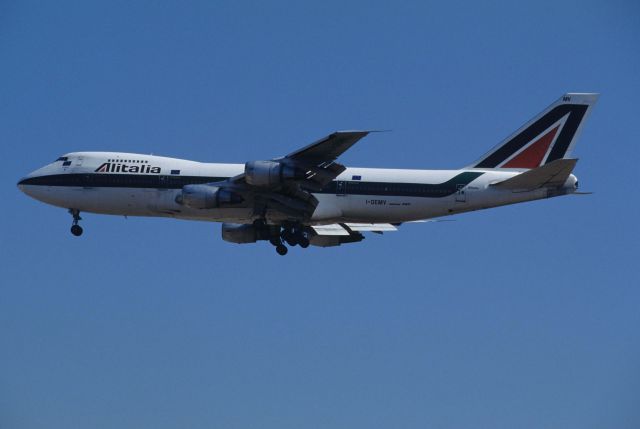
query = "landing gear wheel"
x=281 y=249
x=303 y=242
x=76 y=230
x=289 y=237
x=291 y=241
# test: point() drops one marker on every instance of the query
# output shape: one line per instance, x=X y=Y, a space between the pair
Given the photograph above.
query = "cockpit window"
x=62 y=158
x=66 y=163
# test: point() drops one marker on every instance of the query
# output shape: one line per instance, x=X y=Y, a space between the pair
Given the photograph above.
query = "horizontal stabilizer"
x=550 y=175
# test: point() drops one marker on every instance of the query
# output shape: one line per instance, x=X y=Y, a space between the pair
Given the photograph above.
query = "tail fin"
x=549 y=136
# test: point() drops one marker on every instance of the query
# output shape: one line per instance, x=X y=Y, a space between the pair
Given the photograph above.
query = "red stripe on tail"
x=532 y=156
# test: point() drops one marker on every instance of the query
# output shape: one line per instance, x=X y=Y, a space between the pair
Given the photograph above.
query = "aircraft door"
x=76 y=164
x=341 y=188
x=461 y=196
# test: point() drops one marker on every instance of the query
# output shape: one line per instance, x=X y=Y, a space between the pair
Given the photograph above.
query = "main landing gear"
x=294 y=235
x=291 y=234
x=281 y=249
x=75 y=228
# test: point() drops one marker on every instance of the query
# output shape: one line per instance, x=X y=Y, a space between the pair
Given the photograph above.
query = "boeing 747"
x=307 y=197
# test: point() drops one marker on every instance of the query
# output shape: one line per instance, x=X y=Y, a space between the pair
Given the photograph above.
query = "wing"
x=349 y=228
x=282 y=186
x=341 y=233
x=318 y=158
x=322 y=153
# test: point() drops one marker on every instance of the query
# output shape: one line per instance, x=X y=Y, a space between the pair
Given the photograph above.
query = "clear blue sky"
x=524 y=316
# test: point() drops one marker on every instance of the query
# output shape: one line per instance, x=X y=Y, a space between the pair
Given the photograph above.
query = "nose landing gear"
x=75 y=228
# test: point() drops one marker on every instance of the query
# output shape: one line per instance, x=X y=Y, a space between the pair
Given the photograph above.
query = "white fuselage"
x=146 y=185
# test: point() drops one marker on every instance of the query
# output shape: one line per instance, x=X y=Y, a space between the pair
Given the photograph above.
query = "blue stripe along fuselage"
x=353 y=187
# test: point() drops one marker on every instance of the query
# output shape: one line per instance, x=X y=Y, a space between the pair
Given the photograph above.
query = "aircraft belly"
x=130 y=202
x=396 y=209
x=234 y=215
x=85 y=199
x=495 y=197
x=372 y=208
x=331 y=208
x=116 y=201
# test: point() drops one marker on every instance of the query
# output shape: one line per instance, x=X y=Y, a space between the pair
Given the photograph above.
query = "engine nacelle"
x=206 y=197
x=243 y=233
x=268 y=173
x=239 y=233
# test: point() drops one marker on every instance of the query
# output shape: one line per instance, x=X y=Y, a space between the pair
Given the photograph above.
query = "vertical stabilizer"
x=549 y=136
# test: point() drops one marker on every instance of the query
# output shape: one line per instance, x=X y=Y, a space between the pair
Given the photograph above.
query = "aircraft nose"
x=29 y=179
x=21 y=183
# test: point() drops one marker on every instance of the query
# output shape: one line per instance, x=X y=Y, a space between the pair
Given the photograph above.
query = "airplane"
x=307 y=197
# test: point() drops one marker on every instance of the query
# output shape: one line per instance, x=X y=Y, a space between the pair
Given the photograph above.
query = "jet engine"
x=269 y=173
x=206 y=197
